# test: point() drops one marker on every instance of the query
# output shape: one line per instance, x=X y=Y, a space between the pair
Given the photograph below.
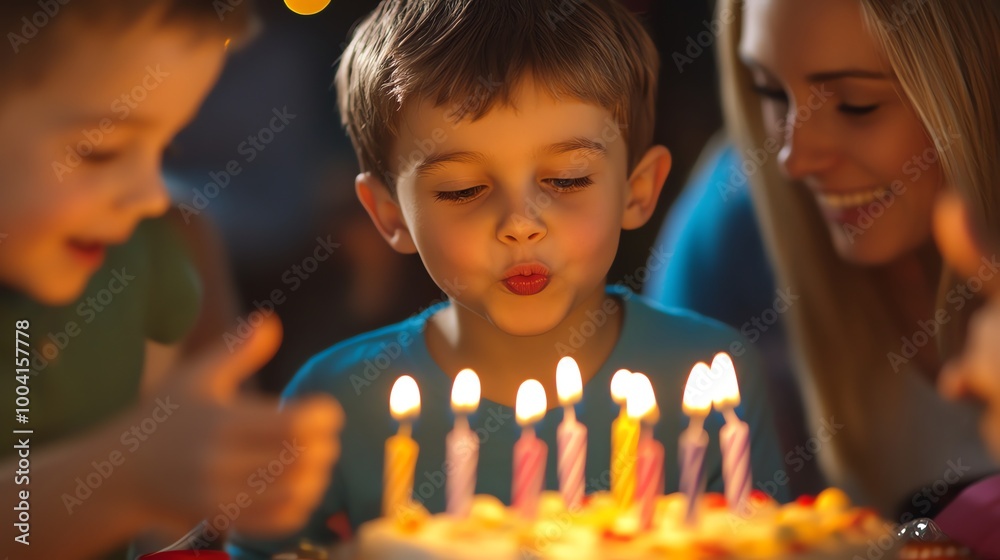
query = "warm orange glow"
x=619 y=386
x=531 y=403
x=465 y=392
x=404 y=400
x=569 y=383
x=641 y=404
x=307 y=7
x=698 y=391
x=727 y=390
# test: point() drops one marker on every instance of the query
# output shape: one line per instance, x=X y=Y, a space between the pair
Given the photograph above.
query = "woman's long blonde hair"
x=946 y=57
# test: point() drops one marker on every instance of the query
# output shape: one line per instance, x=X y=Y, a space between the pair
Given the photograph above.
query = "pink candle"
x=694 y=440
x=734 y=437
x=529 y=451
x=571 y=436
x=641 y=405
x=462 y=446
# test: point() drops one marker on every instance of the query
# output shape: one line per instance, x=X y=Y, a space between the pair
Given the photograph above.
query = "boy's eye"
x=857 y=110
x=464 y=195
x=570 y=184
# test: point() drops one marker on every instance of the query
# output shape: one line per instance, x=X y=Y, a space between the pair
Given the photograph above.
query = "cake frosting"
x=826 y=527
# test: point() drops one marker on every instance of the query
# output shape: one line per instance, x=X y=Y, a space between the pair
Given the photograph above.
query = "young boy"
x=93 y=288
x=508 y=144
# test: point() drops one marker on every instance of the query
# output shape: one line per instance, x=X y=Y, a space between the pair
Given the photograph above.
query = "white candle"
x=649 y=463
x=571 y=436
x=462 y=445
x=734 y=437
x=529 y=451
x=694 y=440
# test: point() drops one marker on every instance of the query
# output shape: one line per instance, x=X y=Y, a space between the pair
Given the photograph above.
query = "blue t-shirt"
x=360 y=372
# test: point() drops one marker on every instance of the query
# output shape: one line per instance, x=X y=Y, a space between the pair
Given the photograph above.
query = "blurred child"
x=508 y=144
x=100 y=287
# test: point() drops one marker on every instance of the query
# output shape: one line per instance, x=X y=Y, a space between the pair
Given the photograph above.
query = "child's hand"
x=205 y=451
x=976 y=373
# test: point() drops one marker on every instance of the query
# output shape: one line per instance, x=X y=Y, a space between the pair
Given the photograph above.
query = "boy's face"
x=517 y=215
x=80 y=153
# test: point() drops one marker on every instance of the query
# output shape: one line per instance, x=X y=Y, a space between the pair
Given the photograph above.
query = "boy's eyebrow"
x=593 y=147
x=433 y=161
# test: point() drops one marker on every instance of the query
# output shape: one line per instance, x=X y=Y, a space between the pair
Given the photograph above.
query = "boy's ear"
x=385 y=212
x=645 y=186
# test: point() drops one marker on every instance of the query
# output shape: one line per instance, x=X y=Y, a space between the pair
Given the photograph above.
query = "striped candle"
x=624 y=439
x=697 y=403
x=734 y=438
x=571 y=439
x=529 y=473
x=692 y=459
x=529 y=451
x=400 y=450
x=649 y=476
x=462 y=446
x=571 y=436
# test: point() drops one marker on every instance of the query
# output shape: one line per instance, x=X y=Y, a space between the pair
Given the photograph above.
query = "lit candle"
x=694 y=440
x=624 y=442
x=571 y=436
x=400 y=449
x=649 y=463
x=462 y=445
x=734 y=437
x=529 y=451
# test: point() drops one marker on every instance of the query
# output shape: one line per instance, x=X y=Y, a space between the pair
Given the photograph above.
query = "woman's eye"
x=857 y=109
x=101 y=157
x=463 y=195
x=773 y=94
x=569 y=184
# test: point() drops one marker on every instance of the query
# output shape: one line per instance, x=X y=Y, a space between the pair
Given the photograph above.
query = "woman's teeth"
x=851 y=200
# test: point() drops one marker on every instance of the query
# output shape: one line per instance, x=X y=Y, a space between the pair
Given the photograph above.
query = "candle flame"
x=531 y=403
x=465 y=392
x=727 y=390
x=619 y=386
x=698 y=391
x=404 y=400
x=641 y=403
x=569 y=383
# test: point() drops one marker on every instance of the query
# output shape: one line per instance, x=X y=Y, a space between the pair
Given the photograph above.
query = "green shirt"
x=87 y=357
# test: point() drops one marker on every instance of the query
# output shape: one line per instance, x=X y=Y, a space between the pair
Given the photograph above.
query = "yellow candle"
x=624 y=444
x=400 y=450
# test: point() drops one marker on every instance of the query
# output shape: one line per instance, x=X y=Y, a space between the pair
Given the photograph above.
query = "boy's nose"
x=147 y=196
x=521 y=227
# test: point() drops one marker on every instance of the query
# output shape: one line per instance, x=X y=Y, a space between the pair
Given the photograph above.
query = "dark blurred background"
x=297 y=184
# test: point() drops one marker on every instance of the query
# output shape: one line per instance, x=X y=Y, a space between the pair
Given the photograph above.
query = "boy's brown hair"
x=36 y=31
x=469 y=55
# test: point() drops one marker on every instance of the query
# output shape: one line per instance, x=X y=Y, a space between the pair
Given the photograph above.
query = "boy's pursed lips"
x=526 y=279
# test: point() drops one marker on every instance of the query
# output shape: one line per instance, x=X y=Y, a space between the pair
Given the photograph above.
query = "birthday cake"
x=826 y=527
